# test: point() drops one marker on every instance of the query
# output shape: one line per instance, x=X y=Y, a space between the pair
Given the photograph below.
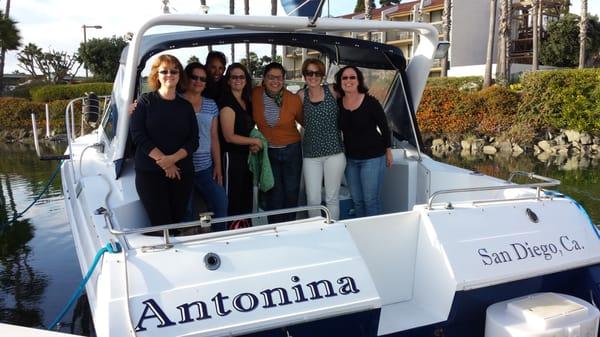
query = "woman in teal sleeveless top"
x=322 y=147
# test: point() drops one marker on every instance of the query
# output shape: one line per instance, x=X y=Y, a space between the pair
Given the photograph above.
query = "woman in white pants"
x=322 y=147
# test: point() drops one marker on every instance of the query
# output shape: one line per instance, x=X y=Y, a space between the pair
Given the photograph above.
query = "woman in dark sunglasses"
x=163 y=127
x=322 y=148
x=366 y=139
x=208 y=177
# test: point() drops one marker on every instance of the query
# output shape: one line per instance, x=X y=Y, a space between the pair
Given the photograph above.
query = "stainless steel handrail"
x=538 y=186
x=165 y=228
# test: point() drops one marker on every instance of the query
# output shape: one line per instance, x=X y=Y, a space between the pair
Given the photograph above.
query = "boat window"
x=377 y=80
x=111 y=115
x=109 y=124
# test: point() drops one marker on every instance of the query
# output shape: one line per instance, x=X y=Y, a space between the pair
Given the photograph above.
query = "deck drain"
x=212 y=261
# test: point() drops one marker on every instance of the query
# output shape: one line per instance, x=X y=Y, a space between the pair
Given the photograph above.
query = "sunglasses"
x=310 y=73
x=237 y=77
x=346 y=78
x=170 y=72
x=198 y=78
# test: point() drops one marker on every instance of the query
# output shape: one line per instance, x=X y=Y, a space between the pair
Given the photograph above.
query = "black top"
x=242 y=125
x=213 y=89
x=168 y=125
x=362 y=138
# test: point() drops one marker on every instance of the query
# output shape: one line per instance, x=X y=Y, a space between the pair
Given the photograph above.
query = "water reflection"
x=579 y=176
x=21 y=286
x=38 y=266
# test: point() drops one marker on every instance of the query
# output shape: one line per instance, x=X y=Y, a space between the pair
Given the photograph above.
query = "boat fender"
x=212 y=261
x=91 y=108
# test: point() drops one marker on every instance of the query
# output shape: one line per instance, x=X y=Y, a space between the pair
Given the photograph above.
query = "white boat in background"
x=451 y=242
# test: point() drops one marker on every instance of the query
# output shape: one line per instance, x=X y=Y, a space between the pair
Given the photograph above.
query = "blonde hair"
x=168 y=60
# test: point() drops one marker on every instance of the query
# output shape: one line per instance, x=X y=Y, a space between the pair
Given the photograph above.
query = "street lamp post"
x=85 y=42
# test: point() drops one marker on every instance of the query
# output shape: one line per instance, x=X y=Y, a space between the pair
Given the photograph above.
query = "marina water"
x=38 y=266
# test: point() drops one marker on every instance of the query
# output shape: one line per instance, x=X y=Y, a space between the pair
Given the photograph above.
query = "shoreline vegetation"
x=554 y=113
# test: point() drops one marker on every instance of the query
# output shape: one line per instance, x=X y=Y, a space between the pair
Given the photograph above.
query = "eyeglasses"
x=346 y=78
x=237 y=77
x=310 y=73
x=198 y=78
x=170 y=72
x=274 y=78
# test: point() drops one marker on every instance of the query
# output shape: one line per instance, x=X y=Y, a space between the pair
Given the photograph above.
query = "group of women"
x=188 y=141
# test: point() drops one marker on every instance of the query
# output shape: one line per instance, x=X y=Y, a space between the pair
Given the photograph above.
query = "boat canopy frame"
x=338 y=49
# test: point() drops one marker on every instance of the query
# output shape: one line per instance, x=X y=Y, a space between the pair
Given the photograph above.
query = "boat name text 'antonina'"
x=245 y=302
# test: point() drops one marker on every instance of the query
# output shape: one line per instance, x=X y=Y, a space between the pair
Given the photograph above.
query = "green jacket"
x=259 y=164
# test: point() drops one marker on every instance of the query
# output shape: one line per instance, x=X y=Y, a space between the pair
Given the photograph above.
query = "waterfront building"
x=468 y=33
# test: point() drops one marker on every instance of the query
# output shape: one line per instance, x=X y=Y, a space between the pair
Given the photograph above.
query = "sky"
x=56 y=24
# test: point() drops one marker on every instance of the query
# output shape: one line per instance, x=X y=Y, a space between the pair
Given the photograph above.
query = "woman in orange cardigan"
x=276 y=111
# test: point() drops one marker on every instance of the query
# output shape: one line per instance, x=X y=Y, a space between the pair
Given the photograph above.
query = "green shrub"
x=467 y=83
x=15 y=114
x=568 y=98
x=447 y=110
x=69 y=91
x=24 y=90
x=500 y=110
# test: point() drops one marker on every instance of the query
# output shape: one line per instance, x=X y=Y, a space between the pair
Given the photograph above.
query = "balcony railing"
x=395 y=36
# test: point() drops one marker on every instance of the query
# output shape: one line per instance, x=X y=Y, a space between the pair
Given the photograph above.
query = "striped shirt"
x=202 y=158
x=271 y=110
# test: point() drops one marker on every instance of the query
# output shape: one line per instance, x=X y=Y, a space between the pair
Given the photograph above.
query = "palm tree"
x=535 y=29
x=487 y=78
x=232 y=12
x=446 y=22
x=369 y=7
x=503 y=71
x=10 y=39
x=273 y=46
x=247 y=12
x=583 y=33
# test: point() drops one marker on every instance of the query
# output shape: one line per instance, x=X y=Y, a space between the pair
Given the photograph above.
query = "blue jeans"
x=213 y=194
x=365 y=177
x=286 y=163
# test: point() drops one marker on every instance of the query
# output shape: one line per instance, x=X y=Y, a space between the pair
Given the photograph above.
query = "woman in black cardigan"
x=366 y=138
x=164 y=129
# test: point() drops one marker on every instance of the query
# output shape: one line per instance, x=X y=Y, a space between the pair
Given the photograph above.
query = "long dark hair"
x=247 y=91
x=362 y=88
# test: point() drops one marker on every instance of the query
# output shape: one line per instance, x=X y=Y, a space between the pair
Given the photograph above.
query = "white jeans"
x=332 y=167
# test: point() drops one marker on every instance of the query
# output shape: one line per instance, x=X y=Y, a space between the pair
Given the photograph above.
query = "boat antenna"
x=165 y=7
x=317 y=12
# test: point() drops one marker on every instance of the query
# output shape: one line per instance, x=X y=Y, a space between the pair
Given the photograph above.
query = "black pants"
x=238 y=183
x=164 y=199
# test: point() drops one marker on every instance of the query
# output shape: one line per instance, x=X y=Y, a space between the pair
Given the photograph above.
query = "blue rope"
x=77 y=293
x=17 y=216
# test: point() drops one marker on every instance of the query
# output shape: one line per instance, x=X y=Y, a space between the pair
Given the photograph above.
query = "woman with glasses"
x=322 y=147
x=236 y=123
x=208 y=177
x=366 y=139
x=276 y=112
x=163 y=127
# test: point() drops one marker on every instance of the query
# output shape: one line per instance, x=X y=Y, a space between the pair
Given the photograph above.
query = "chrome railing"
x=546 y=182
x=202 y=222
